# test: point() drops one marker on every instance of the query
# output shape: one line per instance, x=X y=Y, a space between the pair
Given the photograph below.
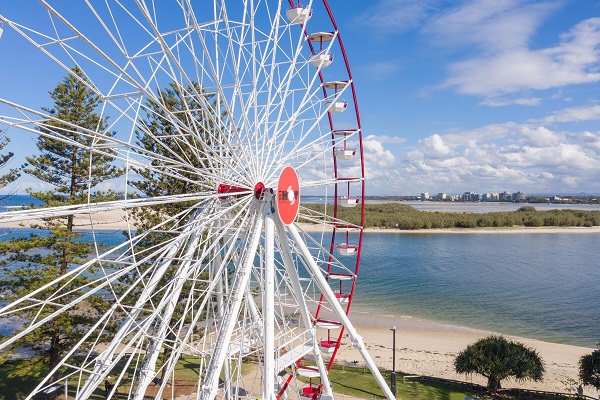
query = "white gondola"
x=298 y=15
x=341 y=277
x=323 y=323
x=309 y=392
x=337 y=106
x=347 y=202
x=327 y=346
x=343 y=298
x=321 y=60
x=345 y=154
x=308 y=371
x=336 y=84
x=346 y=249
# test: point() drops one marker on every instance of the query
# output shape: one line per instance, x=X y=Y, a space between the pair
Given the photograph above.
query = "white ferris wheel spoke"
x=219 y=96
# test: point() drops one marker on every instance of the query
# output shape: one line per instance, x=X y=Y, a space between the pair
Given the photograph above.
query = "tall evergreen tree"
x=12 y=174
x=38 y=259
x=176 y=127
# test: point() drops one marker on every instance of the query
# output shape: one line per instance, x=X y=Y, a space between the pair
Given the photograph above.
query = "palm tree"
x=497 y=359
x=589 y=369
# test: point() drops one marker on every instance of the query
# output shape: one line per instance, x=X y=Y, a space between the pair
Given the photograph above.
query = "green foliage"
x=13 y=173
x=177 y=127
x=71 y=169
x=31 y=262
x=496 y=358
x=526 y=209
x=401 y=216
x=589 y=369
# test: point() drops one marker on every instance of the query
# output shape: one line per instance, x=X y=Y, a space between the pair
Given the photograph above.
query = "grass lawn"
x=359 y=382
x=17 y=388
x=352 y=381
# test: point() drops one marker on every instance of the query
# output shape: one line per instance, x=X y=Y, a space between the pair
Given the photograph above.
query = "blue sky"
x=454 y=96
x=480 y=95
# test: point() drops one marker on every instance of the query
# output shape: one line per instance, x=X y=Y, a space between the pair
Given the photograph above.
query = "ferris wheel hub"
x=259 y=190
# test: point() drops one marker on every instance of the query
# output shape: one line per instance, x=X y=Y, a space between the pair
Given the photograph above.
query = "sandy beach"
x=429 y=348
x=103 y=220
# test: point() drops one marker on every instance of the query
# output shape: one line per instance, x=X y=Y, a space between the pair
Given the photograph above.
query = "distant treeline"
x=400 y=216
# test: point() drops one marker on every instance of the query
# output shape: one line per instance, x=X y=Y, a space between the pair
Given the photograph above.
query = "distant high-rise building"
x=441 y=196
x=519 y=196
x=505 y=196
x=424 y=196
x=469 y=196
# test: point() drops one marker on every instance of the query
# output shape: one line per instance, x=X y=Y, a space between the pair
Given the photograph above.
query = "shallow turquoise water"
x=535 y=285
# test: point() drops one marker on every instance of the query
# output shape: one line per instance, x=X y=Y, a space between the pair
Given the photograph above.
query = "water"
x=18 y=200
x=542 y=286
x=536 y=285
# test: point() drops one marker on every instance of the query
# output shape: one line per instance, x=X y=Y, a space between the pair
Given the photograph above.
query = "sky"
x=454 y=96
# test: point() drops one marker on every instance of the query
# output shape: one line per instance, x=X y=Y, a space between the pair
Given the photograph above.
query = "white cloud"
x=381 y=70
x=386 y=139
x=490 y=24
x=378 y=160
x=507 y=101
x=395 y=15
x=540 y=137
x=585 y=113
x=499 y=157
x=434 y=147
x=572 y=62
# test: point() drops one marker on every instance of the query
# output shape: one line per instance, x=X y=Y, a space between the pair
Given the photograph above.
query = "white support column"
x=210 y=388
x=220 y=302
x=286 y=255
x=105 y=360
x=269 y=309
x=337 y=308
x=148 y=372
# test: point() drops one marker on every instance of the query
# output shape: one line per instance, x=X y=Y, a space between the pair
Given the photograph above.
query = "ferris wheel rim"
x=247 y=191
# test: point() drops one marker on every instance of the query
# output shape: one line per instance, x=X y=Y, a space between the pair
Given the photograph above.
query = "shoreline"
x=515 y=229
x=119 y=220
x=428 y=348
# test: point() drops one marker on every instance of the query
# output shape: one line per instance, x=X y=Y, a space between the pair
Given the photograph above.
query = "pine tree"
x=39 y=258
x=176 y=127
x=13 y=173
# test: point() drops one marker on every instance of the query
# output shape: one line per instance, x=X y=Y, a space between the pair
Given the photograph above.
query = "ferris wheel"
x=249 y=282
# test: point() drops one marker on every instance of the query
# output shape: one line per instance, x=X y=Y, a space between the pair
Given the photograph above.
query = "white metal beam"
x=269 y=309
x=337 y=308
x=210 y=387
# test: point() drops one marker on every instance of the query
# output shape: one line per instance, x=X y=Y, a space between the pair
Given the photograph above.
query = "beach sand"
x=103 y=220
x=428 y=348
